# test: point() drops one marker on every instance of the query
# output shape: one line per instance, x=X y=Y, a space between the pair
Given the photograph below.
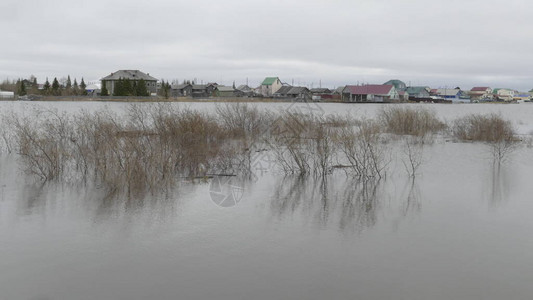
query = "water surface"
x=460 y=230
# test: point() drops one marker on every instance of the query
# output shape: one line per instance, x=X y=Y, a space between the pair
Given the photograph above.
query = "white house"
x=269 y=86
x=370 y=93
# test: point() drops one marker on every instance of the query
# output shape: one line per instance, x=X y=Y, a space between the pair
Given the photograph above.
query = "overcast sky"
x=423 y=42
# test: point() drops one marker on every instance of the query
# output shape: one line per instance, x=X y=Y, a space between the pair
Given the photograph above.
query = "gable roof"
x=296 y=90
x=398 y=84
x=244 y=88
x=479 y=89
x=222 y=88
x=180 y=86
x=416 y=89
x=321 y=90
x=371 y=89
x=448 y=92
x=269 y=80
x=129 y=74
x=283 y=90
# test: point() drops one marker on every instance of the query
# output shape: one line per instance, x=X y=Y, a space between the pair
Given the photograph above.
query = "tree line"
x=62 y=87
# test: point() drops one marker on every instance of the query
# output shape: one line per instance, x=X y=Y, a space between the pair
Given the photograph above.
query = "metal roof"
x=416 y=89
x=371 y=89
x=269 y=80
x=448 y=92
x=480 y=89
x=129 y=74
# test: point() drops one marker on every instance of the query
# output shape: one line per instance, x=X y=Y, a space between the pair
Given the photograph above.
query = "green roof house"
x=269 y=86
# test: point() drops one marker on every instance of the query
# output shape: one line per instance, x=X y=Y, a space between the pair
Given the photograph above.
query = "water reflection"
x=412 y=203
x=350 y=205
x=499 y=184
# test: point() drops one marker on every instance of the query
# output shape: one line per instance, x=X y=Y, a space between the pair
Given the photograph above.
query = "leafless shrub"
x=413 y=150
x=364 y=150
x=491 y=129
x=405 y=120
x=6 y=132
x=41 y=143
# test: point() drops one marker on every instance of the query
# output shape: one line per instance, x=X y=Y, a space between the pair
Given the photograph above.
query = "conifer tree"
x=127 y=88
x=55 y=87
x=46 y=87
x=21 y=88
x=104 y=91
x=141 y=89
x=83 y=87
x=75 y=88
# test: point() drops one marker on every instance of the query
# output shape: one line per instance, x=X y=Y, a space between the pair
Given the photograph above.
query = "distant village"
x=134 y=83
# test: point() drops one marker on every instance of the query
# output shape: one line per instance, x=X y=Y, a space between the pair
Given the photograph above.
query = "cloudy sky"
x=440 y=43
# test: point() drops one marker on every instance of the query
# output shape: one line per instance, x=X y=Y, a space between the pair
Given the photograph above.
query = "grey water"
x=461 y=229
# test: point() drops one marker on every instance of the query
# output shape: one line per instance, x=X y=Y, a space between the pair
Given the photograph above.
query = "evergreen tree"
x=83 y=91
x=69 y=83
x=21 y=88
x=127 y=87
x=104 y=91
x=117 y=87
x=46 y=87
x=75 y=88
x=55 y=87
x=141 y=89
x=164 y=91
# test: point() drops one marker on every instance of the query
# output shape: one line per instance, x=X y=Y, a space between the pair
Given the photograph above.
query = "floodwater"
x=460 y=230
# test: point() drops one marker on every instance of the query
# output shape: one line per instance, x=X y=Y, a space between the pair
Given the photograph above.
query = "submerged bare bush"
x=410 y=121
x=42 y=143
x=413 y=154
x=364 y=149
x=148 y=148
x=491 y=129
x=243 y=120
x=305 y=143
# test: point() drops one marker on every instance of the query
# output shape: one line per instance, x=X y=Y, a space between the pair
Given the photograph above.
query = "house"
x=321 y=93
x=456 y=95
x=269 y=86
x=481 y=93
x=338 y=90
x=246 y=90
x=226 y=91
x=369 y=93
x=522 y=97
x=418 y=92
x=504 y=94
x=133 y=75
x=398 y=84
x=403 y=95
x=294 y=92
x=181 y=90
x=203 y=90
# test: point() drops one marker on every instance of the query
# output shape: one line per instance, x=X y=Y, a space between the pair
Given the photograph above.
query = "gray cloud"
x=436 y=43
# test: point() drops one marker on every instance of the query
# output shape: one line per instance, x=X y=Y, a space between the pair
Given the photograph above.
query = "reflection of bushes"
x=352 y=206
